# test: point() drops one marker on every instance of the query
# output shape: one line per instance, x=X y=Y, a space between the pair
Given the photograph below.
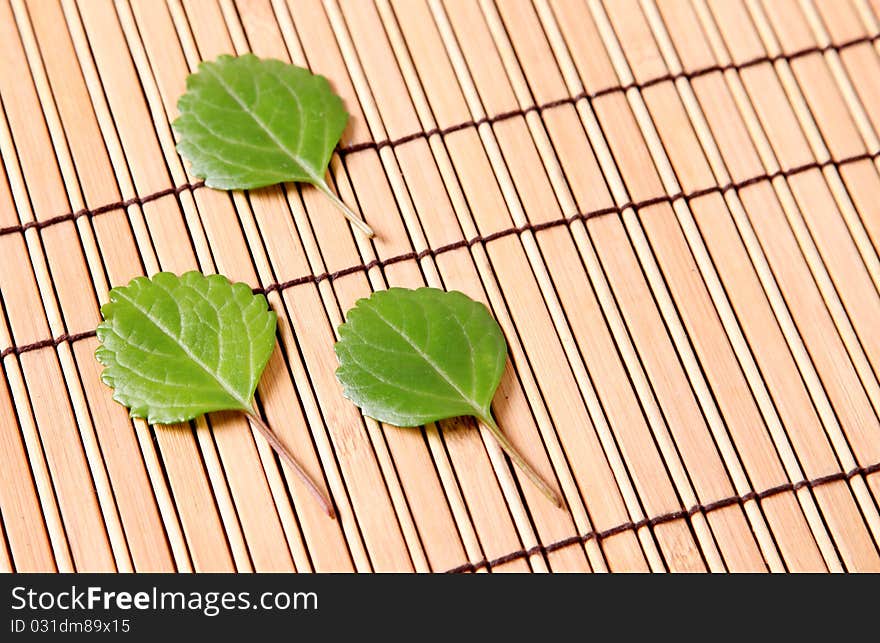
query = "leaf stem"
x=347 y=212
x=282 y=451
x=524 y=466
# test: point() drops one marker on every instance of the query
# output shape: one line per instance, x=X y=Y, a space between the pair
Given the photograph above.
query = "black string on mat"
x=570 y=100
x=378 y=145
x=109 y=207
x=665 y=518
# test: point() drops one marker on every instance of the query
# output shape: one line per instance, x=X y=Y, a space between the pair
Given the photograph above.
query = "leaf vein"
x=425 y=356
x=195 y=359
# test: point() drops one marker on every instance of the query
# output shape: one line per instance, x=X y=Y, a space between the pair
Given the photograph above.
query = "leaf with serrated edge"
x=409 y=357
x=247 y=122
x=176 y=347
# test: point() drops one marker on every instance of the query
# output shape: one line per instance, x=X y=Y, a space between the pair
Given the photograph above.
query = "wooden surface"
x=672 y=207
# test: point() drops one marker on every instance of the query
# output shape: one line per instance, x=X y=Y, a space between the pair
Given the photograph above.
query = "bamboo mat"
x=672 y=207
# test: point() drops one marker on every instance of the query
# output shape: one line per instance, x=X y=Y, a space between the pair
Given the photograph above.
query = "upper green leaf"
x=408 y=357
x=177 y=347
x=246 y=123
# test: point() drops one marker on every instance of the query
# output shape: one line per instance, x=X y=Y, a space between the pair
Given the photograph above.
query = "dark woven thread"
x=378 y=145
x=689 y=75
x=45 y=343
x=665 y=518
x=487 y=238
x=90 y=212
x=553 y=223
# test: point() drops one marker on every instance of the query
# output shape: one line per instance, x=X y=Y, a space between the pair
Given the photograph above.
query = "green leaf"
x=246 y=123
x=176 y=347
x=409 y=357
